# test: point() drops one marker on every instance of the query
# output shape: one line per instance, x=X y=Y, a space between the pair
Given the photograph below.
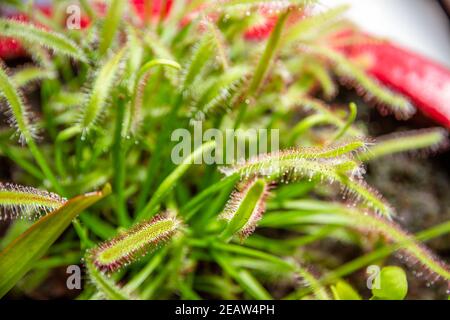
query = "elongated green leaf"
x=18 y=112
x=421 y=141
x=18 y=258
x=111 y=25
x=100 y=91
x=133 y=117
x=244 y=209
x=49 y=39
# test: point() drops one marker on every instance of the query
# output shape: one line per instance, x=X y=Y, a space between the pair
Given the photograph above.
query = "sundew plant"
x=88 y=177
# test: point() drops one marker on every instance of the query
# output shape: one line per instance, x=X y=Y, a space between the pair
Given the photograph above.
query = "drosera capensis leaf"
x=201 y=54
x=328 y=164
x=218 y=38
x=30 y=33
x=303 y=28
x=423 y=141
x=134 y=117
x=19 y=202
x=31 y=74
x=133 y=243
x=290 y=164
x=414 y=253
x=20 y=117
x=219 y=94
x=111 y=25
x=20 y=255
x=268 y=55
x=246 y=5
x=244 y=209
x=97 y=98
x=358 y=191
x=321 y=108
x=372 y=91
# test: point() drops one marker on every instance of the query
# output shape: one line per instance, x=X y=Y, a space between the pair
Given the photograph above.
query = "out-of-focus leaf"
x=343 y=291
x=19 y=257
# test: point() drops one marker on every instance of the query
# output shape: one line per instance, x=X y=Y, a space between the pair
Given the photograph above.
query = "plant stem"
x=263 y=65
x=118 y=158
x=44 y=166
x=168 y=183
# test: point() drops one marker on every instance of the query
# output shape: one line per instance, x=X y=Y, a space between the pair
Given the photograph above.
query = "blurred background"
x=420 y=25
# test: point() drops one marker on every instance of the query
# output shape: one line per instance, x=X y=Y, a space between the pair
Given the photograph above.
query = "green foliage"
x=106 y=287
x=244 y=209
x=96 y=101
x=111 y=25
x=344 y=291
x=26 y=202
x=18 y=257
x=111 y=119
x=129 y=245
x=57 y=42
x=393 y=284
x=20 y=116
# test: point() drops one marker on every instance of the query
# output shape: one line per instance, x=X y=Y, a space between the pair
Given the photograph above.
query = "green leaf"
x=19 y=257
x=111 y=25
x=101 y=90
x=57 y=42
x=244 y=209
x=20 y=116
x=393 y=284
x=423 y=140
x=343 y=291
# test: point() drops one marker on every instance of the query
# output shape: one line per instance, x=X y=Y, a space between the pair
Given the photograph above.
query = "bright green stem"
x=44 y=166
x=154 y=63
x=264 y=63
x=243 y=277
x=145 y=272
x=157 y=154
x=306 y=124
x=131 y=120
x=168 y=183
x=268 y=55
x=63 y=136
x=111 y=25
x=118 y=158
x=348 y=123
x=192 y=207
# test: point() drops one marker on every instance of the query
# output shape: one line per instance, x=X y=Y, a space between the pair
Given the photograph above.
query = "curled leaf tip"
x=245 y=208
